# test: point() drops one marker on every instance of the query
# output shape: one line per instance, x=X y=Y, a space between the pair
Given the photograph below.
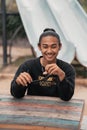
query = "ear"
x=39 y=47
x=60 y=46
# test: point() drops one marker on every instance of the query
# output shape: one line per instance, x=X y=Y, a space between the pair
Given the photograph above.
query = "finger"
x=30 y=78
x=45 y=72
x=23 y=80
x=51 y=69
x=48 y=66
x=27 y=77
x=20 y=81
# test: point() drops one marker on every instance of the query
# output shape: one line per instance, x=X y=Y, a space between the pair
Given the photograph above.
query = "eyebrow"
x=52 y=43
x=44 y=44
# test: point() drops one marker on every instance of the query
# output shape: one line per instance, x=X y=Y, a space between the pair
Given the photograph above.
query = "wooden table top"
x=40 y=113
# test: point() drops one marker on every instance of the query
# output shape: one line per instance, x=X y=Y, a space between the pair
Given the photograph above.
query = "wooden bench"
x=40 y=113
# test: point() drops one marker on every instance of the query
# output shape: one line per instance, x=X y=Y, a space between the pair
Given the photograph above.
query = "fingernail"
x=45 y=72
x=26 y=85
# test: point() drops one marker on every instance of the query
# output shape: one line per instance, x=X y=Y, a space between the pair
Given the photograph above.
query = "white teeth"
x=49 y=56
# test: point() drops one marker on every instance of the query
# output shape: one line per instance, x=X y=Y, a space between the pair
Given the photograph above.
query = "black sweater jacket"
x=51 y=87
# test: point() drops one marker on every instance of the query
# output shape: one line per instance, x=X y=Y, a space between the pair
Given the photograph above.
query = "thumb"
x=45 y=72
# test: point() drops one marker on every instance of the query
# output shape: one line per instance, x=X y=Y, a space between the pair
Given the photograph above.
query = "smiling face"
x=49 y=47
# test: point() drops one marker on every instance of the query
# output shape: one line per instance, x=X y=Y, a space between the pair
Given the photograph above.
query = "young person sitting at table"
x=45 y=75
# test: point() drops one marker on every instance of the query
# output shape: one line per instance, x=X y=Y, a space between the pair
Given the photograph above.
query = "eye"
x=54 y=46
x=45 y=46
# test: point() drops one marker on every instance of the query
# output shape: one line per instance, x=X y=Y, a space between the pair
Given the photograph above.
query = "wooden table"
x=40 y=113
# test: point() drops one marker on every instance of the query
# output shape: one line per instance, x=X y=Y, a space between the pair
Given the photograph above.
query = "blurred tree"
x=13 y=20
x=0 y=20
x=11 y=6
x=84 y=4
x=0 y=26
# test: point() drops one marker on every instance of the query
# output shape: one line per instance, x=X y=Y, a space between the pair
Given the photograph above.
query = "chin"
x=50 y=60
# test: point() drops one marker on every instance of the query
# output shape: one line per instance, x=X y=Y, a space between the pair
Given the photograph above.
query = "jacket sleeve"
x=16 y=90
x=67 y=86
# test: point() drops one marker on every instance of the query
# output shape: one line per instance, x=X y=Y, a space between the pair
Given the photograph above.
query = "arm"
x=18 y=91
x=66 y=79
x=20 y=81
x=67 y=86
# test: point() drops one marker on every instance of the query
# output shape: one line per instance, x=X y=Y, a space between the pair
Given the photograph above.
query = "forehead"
x=51 y=39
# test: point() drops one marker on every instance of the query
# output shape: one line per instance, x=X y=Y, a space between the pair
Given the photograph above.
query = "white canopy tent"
x=66 y=16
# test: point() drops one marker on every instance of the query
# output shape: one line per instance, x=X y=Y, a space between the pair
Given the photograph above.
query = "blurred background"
x=18 y=39
x=15 y=46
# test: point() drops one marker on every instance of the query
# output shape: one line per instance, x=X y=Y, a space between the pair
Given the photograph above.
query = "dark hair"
x=47 y=32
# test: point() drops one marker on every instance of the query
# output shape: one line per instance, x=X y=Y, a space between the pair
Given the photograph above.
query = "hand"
x=23 y=79
x=55 y=70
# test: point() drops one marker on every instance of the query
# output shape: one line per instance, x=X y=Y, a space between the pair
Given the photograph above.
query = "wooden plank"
x=40 y=121
x=61 y=105
x=24 y=127
x=63 y=115
x=41 y=106
x=41 y=112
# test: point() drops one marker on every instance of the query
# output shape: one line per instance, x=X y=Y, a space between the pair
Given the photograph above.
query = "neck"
x=44 y=62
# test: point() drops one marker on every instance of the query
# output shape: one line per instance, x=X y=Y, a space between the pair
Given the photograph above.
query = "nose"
x=49 y=50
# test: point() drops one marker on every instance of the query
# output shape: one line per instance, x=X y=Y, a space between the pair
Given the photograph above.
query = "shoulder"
x=28 y=65
x=65 y=65
x=32 y=62
x=61 y=62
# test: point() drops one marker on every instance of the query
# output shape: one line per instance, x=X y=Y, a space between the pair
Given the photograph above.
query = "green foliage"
x=0 y=27
x=84 y=4
x=13 y=22
x=81 y=71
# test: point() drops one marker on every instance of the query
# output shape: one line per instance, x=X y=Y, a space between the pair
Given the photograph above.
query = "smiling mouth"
x=49 y=56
